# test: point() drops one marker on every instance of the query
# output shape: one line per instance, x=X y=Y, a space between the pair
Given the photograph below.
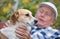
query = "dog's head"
x=23 y=16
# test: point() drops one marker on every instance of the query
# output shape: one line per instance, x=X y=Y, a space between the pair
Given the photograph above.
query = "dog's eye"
x=27 y=14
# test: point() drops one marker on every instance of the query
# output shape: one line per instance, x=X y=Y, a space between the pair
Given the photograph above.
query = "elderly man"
x=46 y=16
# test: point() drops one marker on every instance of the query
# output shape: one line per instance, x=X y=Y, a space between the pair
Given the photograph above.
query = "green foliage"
x=5 y=9
x=57 y=25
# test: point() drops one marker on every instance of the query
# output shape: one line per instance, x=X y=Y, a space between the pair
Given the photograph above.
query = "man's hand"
x=23 y=33
x=6 y=23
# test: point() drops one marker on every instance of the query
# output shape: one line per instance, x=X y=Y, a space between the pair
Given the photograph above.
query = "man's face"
x=44 y=16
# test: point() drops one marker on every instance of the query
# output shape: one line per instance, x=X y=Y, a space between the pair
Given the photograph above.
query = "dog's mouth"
x=29 y=24
x=33 y=23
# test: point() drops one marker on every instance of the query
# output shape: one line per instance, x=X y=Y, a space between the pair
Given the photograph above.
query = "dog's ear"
x=14 y=17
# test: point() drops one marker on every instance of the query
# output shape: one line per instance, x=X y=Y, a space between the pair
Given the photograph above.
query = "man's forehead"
x=48 y=9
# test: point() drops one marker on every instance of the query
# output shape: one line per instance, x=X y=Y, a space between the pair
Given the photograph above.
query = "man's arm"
x=4 y=24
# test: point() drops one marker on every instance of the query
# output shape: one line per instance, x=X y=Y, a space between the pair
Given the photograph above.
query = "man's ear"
x=14 y=17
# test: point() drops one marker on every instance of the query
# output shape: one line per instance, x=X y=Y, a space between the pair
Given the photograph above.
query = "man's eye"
x=48 y=14
x=40 y=10
x=27 y=14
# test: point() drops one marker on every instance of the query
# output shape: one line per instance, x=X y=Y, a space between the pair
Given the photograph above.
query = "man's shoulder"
x=53 y=29
x=56 y=31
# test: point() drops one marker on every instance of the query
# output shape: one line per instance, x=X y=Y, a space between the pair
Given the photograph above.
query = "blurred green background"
x=7 y=7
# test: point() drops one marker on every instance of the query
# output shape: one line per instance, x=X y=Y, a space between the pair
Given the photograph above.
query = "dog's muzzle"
x=35 y=21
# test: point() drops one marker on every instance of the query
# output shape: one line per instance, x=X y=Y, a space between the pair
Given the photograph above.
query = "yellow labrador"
x=20 y=17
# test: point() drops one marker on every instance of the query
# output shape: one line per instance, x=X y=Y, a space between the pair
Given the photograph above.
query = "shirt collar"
x=38 y=28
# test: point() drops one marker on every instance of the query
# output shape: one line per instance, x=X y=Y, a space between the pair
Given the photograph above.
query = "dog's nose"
x=35 y=21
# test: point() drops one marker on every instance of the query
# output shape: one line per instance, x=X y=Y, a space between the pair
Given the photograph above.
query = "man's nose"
x=42 y=15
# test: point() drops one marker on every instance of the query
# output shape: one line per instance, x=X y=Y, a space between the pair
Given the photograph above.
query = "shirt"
x=44 y=33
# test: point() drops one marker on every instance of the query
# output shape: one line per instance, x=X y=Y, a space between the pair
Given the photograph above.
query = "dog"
x=19 y=17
